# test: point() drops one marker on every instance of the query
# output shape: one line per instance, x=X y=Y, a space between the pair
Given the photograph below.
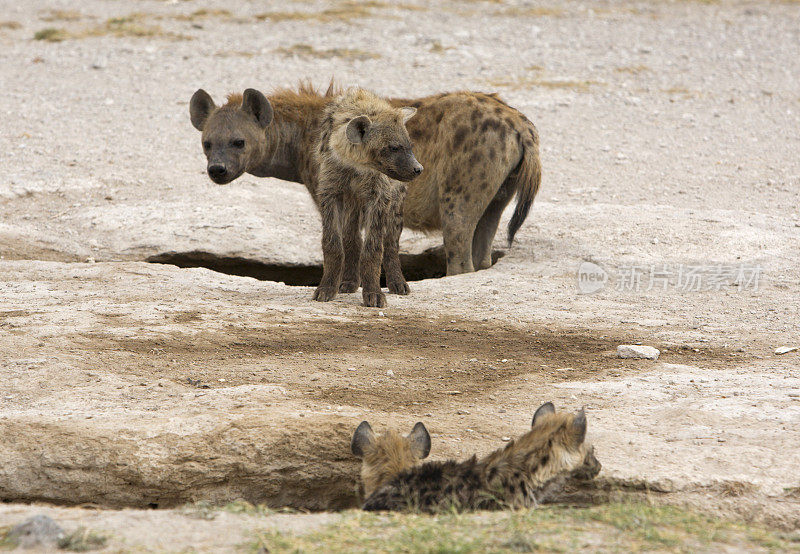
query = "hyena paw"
x=375 y=299
x=398 y=287
x=324 y=294
x=349 y=286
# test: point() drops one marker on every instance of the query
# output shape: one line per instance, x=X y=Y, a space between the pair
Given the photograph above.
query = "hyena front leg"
x=351 y=277
x=372 y=253
x=395 y=281
x=330 y=207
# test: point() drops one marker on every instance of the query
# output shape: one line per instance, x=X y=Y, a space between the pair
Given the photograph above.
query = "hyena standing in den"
x=478 y=153
x=365 y=158
x=524 y=473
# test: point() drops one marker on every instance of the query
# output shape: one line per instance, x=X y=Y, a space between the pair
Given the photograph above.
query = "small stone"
x=637 y=351
x=380 y=314
x=452 y=391
x=37 y=531
x=785 y=350
x=505 y=439
x=462 y=412
x=390 y=373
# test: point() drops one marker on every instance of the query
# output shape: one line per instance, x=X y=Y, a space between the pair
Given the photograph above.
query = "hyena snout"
x=217 y=171
x=408 y=170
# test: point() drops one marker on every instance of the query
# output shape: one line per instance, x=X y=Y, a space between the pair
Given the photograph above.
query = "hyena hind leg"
x=458 y=227
x=486 y=228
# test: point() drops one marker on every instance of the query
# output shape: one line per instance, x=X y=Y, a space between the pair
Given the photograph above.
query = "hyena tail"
x=525 y=179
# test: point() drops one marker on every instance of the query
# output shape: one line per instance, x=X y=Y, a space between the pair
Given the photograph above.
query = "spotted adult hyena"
x=524 y=473
x=365 y=159
x=478 y=152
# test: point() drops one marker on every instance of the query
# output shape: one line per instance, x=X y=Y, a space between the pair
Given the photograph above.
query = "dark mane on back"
x=293 y=103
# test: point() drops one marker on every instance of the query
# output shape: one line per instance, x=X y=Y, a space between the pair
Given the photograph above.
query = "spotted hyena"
x=524 y=473
x=365 y=159
x=478 y=153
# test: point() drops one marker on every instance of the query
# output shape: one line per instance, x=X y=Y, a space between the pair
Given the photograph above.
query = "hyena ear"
x=357 y=129
x=579 y=426
x=420 y=441
x=408 y=113
x=362 y=438
x=545 y=409
x=200 y=107
x=257 y=105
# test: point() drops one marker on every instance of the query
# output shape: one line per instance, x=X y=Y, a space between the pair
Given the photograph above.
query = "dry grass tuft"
x=343 y=11
x=530 y=82
x=534 y=11
x=125 y=26
x=61 y=15
x=12 y=25
x=308 y=51
x=437 y=48
x=204 y=14
x=234 y=54
x=632 y=69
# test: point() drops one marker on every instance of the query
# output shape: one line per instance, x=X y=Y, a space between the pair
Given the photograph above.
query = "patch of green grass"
x=83 y=540
x=6 y=543
x=624 y=527
x=51 y=34
x=207 y=510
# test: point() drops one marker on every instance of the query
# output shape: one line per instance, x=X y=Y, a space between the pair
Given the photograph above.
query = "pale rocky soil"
x=670 y=135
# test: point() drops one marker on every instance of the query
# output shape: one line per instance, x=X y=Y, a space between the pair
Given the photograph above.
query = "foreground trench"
x=131 y=413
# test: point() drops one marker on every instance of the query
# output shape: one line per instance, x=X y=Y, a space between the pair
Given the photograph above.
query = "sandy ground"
x=670 y=133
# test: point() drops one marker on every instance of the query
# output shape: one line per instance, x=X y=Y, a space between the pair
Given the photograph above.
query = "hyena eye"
x=395 y=148
x=206 y=145
x=238 y=143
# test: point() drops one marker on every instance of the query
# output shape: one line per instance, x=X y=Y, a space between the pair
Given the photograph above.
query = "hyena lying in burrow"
x=524 y=473
x=365 y=158
x=478 y=152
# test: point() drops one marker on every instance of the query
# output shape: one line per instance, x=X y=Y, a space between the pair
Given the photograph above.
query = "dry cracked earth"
x=670 y=139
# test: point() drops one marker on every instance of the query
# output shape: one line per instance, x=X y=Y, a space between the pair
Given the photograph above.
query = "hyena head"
x=559 y=441
x=384 y=457
x=233 y=134
x=376 y=136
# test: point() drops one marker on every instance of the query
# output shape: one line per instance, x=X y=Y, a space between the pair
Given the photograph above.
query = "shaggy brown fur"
x=478 y=153
x=389 y=454
x=364 y=157
x=524 y=473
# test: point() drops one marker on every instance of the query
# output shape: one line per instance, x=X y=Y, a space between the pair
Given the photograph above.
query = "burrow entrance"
x=430 y=264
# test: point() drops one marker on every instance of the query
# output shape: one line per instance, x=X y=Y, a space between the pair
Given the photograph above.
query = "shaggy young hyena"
x=365 y=159
x=524 y=473
x=477 y=151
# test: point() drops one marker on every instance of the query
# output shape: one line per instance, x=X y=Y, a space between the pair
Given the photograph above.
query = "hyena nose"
x=217 y=170
x=417 y=169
